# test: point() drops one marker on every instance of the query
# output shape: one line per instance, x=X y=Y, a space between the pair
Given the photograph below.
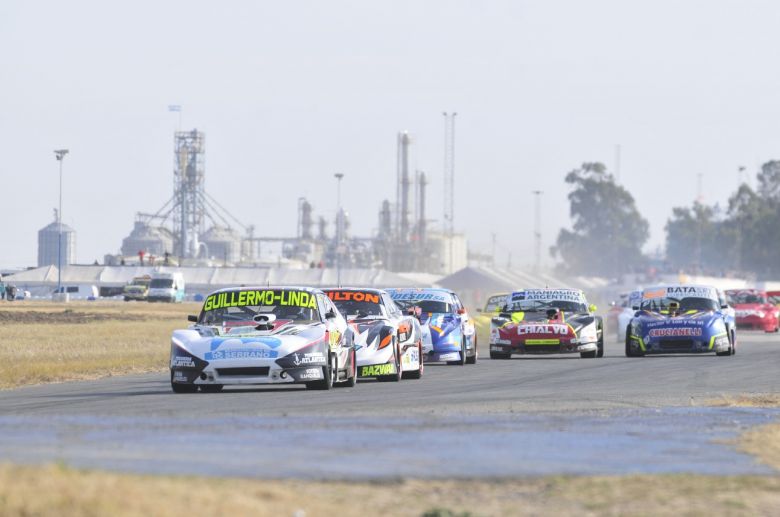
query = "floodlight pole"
x=60 y=155
x=339 y=223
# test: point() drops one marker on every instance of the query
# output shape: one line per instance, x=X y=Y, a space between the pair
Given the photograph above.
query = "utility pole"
x=537 y=230
x=60 y=155
x=449 y=181
x=339 y=223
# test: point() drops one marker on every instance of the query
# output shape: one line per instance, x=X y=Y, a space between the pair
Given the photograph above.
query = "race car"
x=685 y=319
x=547 y=321
x=632 y=300
x=494 y=303
x=448 y=333
x=753 y=310
x=264 y=335
x=388 y=343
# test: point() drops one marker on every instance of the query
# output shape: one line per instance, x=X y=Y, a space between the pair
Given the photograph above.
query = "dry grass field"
x=58 y=490
x=49 y=342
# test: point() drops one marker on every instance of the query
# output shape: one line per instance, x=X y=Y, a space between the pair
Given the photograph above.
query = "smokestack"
x=385 y=221
x=403 y=156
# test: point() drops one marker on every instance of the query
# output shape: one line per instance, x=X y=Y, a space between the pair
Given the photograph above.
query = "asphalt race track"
x=525 y=416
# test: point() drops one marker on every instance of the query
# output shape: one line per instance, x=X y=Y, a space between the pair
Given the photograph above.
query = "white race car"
x=264 y=335
x=388 y=343
x=633 y=299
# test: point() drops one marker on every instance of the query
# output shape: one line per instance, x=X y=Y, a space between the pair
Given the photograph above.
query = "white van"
x=166 y=287
x=76 y=292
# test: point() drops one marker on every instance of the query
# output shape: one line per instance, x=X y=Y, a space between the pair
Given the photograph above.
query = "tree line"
x=608 y=232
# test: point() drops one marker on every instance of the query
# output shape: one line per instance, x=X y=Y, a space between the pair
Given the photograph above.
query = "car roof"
x=312 y=290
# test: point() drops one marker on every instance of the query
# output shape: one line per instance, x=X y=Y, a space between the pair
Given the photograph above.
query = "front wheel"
x=473 y=358
x=499 y=355
x=329 y=373
x=211 y=388
x=352 y=374
x=600 y=352
x=394 y=377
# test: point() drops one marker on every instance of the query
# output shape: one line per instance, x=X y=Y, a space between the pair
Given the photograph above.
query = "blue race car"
x=447 y=331
x=680 y=319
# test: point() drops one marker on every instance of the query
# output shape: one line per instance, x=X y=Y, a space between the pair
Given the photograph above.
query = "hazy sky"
x=290 y=92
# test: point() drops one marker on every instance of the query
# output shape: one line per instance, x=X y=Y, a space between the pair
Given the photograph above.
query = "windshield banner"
x=549 y=295
x=265 y=298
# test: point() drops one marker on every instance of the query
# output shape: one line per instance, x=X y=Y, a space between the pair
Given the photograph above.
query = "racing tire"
x=629 y=351
x=473 y=358
x=600 y=351
x=211 y=388
x=398 y=375
x=589 y=355
x=351 y=381
x=329 y=372
x=462 y=360
x=418 y=373
x=727 y=353
x=499 y=355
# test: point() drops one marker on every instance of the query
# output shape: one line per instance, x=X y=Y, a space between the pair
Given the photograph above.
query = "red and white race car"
x=753 y=310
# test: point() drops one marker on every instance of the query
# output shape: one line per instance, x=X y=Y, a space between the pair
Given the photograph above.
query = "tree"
x=607 y=232
x=696 y=239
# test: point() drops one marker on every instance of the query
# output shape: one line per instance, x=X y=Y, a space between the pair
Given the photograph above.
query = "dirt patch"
x=746 y=400
x=68 y=316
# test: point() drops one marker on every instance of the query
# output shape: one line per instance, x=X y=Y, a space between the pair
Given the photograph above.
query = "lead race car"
x=447 y=330
x=388 y=343
x=547 y=321
x=264 y=335
x=686 y=319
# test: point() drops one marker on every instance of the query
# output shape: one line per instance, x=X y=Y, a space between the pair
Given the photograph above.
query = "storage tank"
x=223 y=244
x=153 y=240
x=48 y=245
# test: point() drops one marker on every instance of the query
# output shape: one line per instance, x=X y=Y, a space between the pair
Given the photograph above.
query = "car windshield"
x=360 y=309
x=543 y=305
x=687 y=304
x=433 y=306
x=746 y=297
x=774 y=298
x=236 y=308
x=161 y=283
x=495 y=303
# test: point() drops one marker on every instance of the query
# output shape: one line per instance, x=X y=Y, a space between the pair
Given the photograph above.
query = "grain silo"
x=49 y=245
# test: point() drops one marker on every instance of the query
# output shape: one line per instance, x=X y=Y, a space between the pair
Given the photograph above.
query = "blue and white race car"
x=683 y=319
x=264 y=335
x=447 y=331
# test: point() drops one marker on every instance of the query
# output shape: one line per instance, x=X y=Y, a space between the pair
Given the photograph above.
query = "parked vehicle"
x=166 y=287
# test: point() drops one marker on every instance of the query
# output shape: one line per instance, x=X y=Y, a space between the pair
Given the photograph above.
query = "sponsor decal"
x=309 y=358
x=542 y=342
x=179 y=377
x=241 y=353
x=412 y=356
x=566 y=295
x=680 y=291
x=253 y=298
x=355 y=296
x=180 y=361
x=419 y=295
x=675 y=332
x=377 y=369
x=561 y=330
x=311 y=373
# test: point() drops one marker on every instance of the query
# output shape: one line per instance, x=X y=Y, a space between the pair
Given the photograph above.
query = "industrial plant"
x=194 y=229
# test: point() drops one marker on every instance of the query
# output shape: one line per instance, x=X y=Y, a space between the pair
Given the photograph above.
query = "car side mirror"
x=330 y=315
x=192 y=318
x=724 y=306
x=635 y=308
x=592 y=308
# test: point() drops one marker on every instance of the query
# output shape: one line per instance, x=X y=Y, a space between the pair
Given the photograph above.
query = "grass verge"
x=62 y=491
x=44 y=342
